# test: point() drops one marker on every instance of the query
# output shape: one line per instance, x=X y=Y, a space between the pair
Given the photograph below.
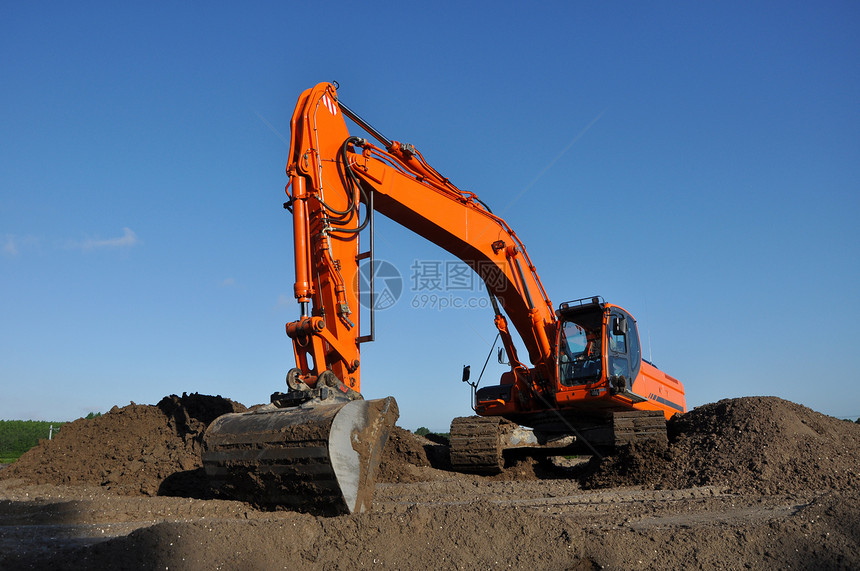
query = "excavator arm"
x=331 y=175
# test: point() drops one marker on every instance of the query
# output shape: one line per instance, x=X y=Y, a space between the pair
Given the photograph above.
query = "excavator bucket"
x=319 y=458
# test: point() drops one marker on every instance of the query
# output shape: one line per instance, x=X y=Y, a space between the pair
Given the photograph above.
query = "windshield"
x=578 y=355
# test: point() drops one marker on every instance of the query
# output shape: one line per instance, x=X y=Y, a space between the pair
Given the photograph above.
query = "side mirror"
x=619 y=327
x=503 y=357
x=467 y=372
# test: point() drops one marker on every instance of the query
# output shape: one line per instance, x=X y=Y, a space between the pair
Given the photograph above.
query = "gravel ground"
x=757 y=483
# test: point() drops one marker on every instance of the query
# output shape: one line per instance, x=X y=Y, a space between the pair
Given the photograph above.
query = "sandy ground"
x=756 y=483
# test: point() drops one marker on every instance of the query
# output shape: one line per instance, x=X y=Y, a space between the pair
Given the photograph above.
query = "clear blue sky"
x=696 y=163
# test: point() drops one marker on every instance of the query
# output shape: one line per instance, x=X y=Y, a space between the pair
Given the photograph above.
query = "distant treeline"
x=425 y=432
x=18 y=436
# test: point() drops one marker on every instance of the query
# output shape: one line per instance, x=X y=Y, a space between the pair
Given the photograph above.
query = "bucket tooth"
x=320 y=458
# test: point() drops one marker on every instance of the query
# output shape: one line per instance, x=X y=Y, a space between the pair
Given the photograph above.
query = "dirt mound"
x=133 y=450
x=155 y=450
x=403 y=452
x=640 y=464
x=756 y=444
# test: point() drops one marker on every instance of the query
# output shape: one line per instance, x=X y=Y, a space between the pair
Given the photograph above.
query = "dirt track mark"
x=730 y=515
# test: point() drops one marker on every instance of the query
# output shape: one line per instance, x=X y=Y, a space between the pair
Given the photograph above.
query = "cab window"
x=617 y=341
x=579 y=358
x=619 y=364
x=624 y=351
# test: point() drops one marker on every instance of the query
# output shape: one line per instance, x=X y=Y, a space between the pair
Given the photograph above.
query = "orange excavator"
x=317 y=446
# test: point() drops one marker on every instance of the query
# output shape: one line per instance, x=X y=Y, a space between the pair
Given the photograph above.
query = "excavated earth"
x=756 y=483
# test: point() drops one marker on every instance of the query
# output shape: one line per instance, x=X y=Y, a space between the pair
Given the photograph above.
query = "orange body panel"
x=658 y=387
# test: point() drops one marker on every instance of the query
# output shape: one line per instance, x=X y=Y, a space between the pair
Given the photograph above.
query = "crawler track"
x=476 y=445
x=639 y=425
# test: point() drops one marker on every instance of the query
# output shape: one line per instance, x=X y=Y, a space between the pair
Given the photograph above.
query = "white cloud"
x=10 y=246
x=229 y=282
x=13 y=245
x=127 y=240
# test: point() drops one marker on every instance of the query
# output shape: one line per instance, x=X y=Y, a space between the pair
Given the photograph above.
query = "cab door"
x=623 y=356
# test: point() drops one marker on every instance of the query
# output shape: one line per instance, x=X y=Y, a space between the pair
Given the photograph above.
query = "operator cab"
x=595 y=337
x=599 y=370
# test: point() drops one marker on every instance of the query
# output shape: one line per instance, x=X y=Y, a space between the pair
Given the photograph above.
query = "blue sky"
x=695 y=163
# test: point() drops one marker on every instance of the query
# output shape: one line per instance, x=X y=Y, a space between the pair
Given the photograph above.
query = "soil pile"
x=156 y=450
x=133 y=450
x=754 y=444
x=403 y=453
